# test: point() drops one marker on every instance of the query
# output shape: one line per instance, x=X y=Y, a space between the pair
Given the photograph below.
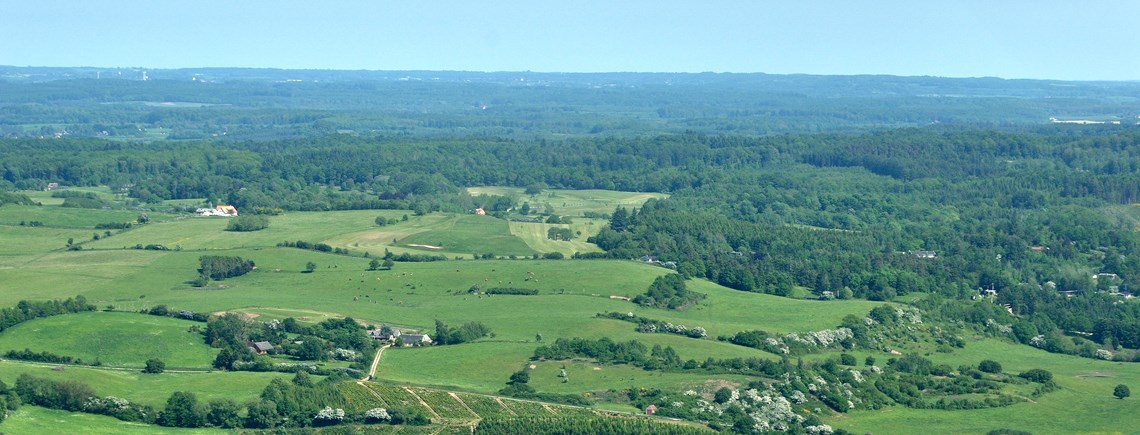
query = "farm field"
x=572 y=202
x=34 y=419
x=114 y=339
x=109 y=272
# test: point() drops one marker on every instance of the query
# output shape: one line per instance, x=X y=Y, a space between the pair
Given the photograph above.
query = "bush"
x=1037 y=375
x=248 y=223
x=155 y=366
x=989 y=366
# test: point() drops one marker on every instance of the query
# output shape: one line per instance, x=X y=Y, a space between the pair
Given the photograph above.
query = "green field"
x=33 y=419
x=114 y=339
x=413 y=296
x=572 y=202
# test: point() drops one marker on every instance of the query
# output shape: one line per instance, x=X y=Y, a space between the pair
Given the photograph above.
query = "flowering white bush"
x=1103 y=354
x=330 y=414
x=344 y=354
x=798 y=397
x=822 y=429
x=1037 y=341
x=377 y=414
x=857 y=376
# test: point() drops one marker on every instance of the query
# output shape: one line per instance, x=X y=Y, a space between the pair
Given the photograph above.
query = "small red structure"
x=651 y=409
x=479 y=211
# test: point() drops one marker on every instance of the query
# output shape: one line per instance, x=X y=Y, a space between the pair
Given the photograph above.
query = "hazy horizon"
x=1009 y=40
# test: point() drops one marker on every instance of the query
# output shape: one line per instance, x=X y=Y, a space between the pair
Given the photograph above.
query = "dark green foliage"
x=223 y=413
x=15 y=199
x=1037 y=375
x=83 y=202
x=155 y=366
x=989 y=366
x=559 y=233
x=1121 y=391
x=248 y=223
x=722 y=395
x=113 y=226
x=218 y=267
x=28 y=310
x=183 y=410
x=65 y=395
x=1008 y=432
x=42 y=356
x=469 y=331
x=668 y=291
x=847 y=359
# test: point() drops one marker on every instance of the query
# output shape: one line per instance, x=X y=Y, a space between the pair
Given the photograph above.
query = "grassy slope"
x=470 y=234
x=535 y=236
x=115 y=339
x=1084 y=404
x=147 y=388
x=33 y=419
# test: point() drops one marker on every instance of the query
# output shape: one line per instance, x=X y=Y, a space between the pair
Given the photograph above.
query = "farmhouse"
x=479 y=211
x=415 y=339
x=651 y=409
x=380 y=334
x=221 y=210
x=260 y=347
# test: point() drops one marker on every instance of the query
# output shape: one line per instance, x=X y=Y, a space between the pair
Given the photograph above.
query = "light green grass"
x=115 y=339
x=36 y=420
x=149 y=389
x=35 y=241
x=56 y=216
x=587 y=376
x=535 y=236
x=572 y=202
x=469 y=234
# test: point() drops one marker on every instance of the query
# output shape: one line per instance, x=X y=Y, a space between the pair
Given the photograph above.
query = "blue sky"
x=1009 y=39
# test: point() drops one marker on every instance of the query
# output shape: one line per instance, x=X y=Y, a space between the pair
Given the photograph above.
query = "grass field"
x=535 y=236
x=37 y=420
x=35 y=265
x=115 y=339
x=145 y=388
x=572 y=202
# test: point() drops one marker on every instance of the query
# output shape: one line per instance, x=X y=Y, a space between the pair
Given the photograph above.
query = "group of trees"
x=219 y=267
x=668 y=291
x=467 y=332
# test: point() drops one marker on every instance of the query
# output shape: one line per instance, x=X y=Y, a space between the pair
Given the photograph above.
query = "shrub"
x=989 y=366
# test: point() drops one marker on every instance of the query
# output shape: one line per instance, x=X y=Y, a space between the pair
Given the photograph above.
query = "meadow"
x=114 y=339
x=110 y=273
x=572 y=202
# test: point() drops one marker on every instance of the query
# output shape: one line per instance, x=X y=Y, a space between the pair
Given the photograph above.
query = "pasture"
x=114 y=339
x=572 y=202
x=34 y=419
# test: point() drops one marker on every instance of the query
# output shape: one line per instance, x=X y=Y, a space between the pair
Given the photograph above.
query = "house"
x=924 y=254
x=415 y=339
x=226 y=210
x=479 y=211
x=1038 y=248
x=379 y=334
x=651 y=409
x=260 y=347
x=52 y=186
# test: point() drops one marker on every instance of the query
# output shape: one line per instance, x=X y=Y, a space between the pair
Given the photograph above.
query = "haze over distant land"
x=1009 y=39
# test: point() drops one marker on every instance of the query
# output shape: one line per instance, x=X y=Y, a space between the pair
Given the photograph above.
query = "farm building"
x=415 y=339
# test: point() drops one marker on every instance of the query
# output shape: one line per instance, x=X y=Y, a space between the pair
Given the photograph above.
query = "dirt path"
x=422 y=402
x=504 y=405
x=375 y=363
x=457 y=399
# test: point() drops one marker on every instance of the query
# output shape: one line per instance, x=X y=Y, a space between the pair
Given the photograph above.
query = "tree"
x=155 y=366
x=1121 y=391
x=387 y=264
x=182 y=410
x=310 y=267
x=223 y=413
x=538 y=336
x=262 y=415
x=302 y=379
x=989 y=366
x=722 y=395
x=374 y=264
